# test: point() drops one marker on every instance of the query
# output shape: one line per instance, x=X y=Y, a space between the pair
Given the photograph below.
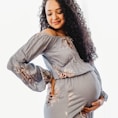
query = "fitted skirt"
x=71 y=96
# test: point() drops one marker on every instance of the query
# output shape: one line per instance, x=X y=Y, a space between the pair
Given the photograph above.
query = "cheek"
x=48 y=19
x=62 y=17
x=63 y=20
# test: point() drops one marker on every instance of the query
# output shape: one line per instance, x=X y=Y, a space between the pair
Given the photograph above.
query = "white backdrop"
x=19 y=21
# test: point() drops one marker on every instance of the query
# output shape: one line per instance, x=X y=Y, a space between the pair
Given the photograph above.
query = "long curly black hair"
x=75 y=27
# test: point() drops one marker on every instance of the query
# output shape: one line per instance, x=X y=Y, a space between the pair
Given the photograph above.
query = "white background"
x=19 y=21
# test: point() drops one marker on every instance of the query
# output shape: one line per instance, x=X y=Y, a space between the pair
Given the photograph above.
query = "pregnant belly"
x=85 y=89
x=88 y=87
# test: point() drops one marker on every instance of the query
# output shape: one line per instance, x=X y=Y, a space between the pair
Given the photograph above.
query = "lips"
x=56 y=22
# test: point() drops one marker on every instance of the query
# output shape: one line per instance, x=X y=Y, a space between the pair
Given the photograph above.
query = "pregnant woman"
x=74 y=84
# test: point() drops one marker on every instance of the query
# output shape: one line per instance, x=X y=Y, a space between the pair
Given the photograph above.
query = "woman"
x=74 y=85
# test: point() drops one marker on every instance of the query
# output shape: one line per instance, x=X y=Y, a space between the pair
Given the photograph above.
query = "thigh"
x=56 y=106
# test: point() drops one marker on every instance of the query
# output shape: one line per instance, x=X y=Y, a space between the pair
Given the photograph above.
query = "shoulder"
x=49 y=32
x=46 y=35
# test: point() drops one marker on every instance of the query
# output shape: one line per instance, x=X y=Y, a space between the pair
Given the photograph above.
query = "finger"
x=98 y=103
x=87 y=109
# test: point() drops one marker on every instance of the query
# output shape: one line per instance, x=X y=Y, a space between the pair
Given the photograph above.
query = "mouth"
x=56 y=22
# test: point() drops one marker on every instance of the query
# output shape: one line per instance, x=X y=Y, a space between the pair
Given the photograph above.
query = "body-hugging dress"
x=77 y=83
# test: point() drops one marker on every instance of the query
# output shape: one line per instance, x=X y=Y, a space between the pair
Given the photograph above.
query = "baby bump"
x=87 y=86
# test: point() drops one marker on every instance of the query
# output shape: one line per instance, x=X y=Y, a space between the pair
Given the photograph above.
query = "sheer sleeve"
x=34 y=76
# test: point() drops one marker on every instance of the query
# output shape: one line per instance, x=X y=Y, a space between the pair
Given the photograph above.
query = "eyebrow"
x=56 y=9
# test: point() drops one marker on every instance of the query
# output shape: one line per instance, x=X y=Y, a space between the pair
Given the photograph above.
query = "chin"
x=55 y=28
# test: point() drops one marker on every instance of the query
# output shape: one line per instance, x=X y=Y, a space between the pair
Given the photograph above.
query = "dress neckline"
x=57 y=36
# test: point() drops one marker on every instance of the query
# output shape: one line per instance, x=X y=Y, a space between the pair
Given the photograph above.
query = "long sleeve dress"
x=77 y=83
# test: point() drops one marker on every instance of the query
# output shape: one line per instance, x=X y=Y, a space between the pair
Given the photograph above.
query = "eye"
x=59 y=11
x=49 y=14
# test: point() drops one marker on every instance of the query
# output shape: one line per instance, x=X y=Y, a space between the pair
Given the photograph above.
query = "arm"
x=35 y=77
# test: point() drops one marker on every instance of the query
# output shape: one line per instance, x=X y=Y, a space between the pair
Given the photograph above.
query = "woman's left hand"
x=95 y=105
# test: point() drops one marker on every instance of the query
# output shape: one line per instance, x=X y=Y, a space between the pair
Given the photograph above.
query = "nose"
x=54 y=16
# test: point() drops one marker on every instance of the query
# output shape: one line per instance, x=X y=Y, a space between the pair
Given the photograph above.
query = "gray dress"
x=77 y=83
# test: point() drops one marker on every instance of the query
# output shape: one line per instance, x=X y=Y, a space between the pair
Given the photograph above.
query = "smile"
x=56 y=22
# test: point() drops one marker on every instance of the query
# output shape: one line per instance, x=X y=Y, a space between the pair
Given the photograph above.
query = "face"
x=54 y=14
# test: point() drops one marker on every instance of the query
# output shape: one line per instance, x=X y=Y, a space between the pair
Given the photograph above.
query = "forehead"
x=52 y=5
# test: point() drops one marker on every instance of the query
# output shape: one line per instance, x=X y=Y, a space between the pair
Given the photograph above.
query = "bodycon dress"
x=77 y=83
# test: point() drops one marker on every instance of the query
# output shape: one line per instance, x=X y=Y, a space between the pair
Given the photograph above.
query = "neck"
x=60 y=33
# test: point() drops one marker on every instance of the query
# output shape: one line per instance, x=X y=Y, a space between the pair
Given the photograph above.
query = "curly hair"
x=75 y=27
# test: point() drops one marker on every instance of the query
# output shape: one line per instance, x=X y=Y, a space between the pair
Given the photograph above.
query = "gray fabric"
x=71 y=95
x=63 y=63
